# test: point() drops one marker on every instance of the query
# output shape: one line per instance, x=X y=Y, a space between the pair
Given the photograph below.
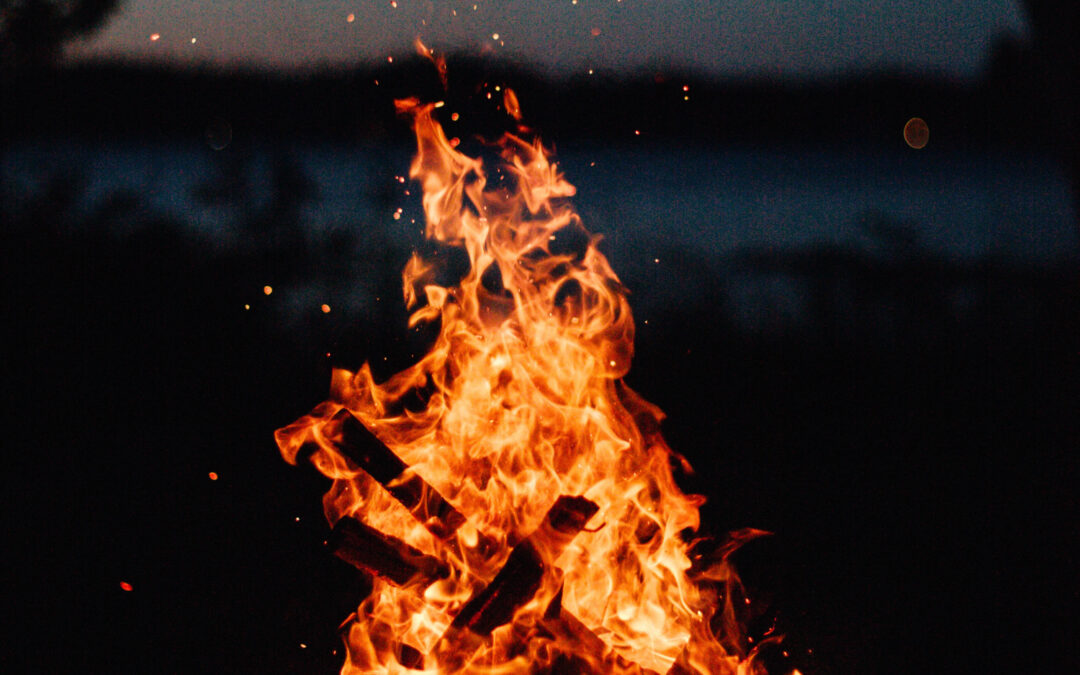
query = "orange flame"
x=524 y=404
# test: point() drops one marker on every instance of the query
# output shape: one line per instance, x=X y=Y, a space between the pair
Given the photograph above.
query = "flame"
x=523 y=403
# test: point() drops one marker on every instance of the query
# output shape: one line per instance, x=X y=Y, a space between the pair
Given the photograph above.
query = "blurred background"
x=865 y=340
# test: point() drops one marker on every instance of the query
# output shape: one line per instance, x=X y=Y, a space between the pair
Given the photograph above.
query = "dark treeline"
x=104 y=100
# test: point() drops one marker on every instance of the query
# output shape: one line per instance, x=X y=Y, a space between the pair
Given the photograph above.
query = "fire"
x=525 y=515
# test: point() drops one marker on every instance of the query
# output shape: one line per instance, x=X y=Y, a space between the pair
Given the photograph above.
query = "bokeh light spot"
x=916 y=133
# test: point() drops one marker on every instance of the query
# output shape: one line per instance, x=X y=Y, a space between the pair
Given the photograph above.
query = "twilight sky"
x=778 y=37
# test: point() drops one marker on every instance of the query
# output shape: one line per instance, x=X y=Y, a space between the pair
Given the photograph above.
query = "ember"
x=527 y=518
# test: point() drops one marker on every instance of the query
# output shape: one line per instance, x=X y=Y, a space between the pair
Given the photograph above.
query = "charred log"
x=382 y=555
x=518 y=582
x=514 y=585
x=519 y=579
x=357 y=444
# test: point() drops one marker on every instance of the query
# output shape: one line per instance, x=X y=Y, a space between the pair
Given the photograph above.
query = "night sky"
x=730 y=37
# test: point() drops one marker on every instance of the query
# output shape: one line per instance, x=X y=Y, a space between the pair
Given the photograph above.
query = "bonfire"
x=511 y=497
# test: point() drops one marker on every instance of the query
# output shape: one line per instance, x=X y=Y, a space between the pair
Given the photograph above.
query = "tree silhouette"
x=33 y=32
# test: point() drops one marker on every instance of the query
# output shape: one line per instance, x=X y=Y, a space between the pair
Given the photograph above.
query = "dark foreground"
x=914 y=460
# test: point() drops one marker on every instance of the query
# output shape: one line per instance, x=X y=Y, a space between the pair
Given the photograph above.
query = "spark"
x=267 y=290
x=303 y=646
x=590 y=71
x=325 y=308
x=125 y=586
x=193 y=40
x=154 y=37
x=390 y=59
x=246 y=306
x=213 y=475
x=393 y=3
x=637 y=132
x=350 y=18
x=454 y=117
x=494 y=36
x=656 y=260
x=595 y=32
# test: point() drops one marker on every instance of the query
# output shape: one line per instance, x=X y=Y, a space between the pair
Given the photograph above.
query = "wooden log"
x=384 y=556
x=520 y=577
x=361 y=447
x=515 y=584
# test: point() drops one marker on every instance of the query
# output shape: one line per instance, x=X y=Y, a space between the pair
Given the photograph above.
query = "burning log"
x=382 y=555
x=357 y=444
x=519 y=580
x=514 y=585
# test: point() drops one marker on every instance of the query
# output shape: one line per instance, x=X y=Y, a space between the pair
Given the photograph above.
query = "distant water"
x=713 y=202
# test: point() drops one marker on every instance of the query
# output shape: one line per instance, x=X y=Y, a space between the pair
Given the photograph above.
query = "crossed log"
x=494 y=605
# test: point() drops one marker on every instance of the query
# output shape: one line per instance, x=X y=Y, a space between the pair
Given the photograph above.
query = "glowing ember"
x=213 y=475
x=125 y=586
x=525 y=515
